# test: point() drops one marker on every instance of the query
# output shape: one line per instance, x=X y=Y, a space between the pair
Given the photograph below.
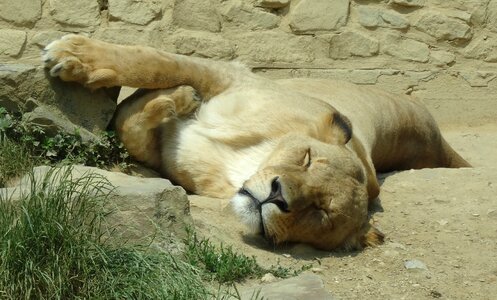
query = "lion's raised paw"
x=75 y=58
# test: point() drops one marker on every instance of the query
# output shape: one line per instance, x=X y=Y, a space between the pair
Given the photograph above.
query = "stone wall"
x=445 y=52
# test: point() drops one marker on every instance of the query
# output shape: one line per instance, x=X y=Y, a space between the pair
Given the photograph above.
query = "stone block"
x=63 y=102
x=196 y=15
x=274 y=4
x=482 y=47
x=134 y=12
x=80 y=13
x=408 y=3
x=275 y=47
x=375 y=17
x=442 y=27
x=352 y=43
x=406 y=49
x=11 y=42
x=141 y=208
x=241 y=15
x=24 y=13
x=203 y=44
x=318 y=15
x=442 y=58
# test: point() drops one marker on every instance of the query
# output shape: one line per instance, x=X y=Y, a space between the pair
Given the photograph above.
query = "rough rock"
x=141 y=207
x=199 y=15
x=43 y=38
x=204 y=45
x=270 y=47
x=353 y=43
x=303 y=287
x=81 y=13
x=415 y=264
x=239 y=14
x=491 y=15
x=442 y=27
x=308 y=16
x=375 y=17
x=478 y=78
x=53 y=121
x=442 y=58
x=133 y=11
x=408 y=3
x=20 y=12
x=11 y=42
x=482 y=47
x=406 y=49
x=272 y=3
x=20 y=83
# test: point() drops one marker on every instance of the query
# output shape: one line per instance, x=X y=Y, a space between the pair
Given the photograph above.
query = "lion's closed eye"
x=307 y=159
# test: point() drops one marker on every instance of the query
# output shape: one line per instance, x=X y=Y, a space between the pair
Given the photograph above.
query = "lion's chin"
x=246 y=210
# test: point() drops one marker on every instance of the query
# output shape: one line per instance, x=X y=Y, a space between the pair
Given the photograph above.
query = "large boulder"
x=142 y=209
x=50 y=102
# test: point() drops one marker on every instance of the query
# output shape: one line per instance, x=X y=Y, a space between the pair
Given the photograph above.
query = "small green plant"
x=222 y=263
x=104 y=151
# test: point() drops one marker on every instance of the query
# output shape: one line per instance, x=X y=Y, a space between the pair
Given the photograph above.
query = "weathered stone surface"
x=203 y=45
x=272 y=3
x=408 y=3
x=11 y=42
x=308 y=16
x=406 y=49
x=142 y=207
x=199 y=15
x=491 y=15
x=81 y=13
x=43 y=38
x=442 y=58
x=352 y=43
x=303 y=287
x=53 y=121
x=375 y=17
x=270 y=47
x=443 y=27
x=133 y=11
x=89 y=110
x=483 y=47
x=369 y=76
x=478 y=78
x=239 y=14
x=20 y=12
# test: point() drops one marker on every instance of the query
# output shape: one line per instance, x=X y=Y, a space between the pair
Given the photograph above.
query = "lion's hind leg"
x=139 y=118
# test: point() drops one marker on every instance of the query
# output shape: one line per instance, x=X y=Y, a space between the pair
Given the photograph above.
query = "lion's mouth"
x=275 y=197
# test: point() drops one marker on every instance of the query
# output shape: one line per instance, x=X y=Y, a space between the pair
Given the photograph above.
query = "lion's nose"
x=276 y=196
x=275 y=187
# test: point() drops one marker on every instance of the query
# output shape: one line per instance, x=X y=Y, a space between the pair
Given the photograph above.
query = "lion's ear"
x=341 y=129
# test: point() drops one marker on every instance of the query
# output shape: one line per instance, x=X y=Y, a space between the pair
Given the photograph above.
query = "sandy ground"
x=445 y=218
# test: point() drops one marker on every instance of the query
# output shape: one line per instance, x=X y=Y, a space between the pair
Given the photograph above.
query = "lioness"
x=298 y=157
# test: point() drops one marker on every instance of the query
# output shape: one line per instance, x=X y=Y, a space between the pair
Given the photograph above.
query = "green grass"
x=15 y=160
x=221 y=263
x=51 y=247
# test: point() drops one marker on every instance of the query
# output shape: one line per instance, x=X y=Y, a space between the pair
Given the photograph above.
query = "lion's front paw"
x=76 y=58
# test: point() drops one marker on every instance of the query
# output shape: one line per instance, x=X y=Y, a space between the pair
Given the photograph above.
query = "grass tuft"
x=51 y=247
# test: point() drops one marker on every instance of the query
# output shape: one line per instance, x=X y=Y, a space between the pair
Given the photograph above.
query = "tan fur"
x=298 y=156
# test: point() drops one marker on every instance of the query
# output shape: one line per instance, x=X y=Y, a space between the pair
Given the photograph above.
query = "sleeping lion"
x=298 y=157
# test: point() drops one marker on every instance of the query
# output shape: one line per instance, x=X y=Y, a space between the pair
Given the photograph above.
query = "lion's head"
x=310 y=191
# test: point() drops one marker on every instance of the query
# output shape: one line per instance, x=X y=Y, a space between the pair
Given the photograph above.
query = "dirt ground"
x=445 y=218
